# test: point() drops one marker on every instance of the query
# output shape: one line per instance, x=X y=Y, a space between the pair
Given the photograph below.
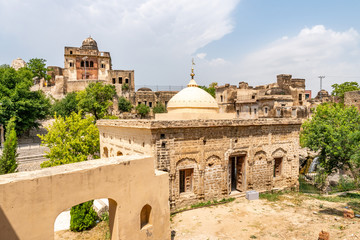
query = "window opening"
x=113 y=81
x=186 y=177
x=277 y=167
x=120 y=80
x=91 y=64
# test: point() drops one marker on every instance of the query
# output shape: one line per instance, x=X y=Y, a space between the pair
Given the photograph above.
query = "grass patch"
x=210 y=203
x=271 y=196
x=351 y=199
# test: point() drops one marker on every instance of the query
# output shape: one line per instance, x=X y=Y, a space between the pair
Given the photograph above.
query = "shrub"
x=83 y=217
x=159 y=108
x=143 y=110
x=125 y=105
x=125 y=87
x=8 y=158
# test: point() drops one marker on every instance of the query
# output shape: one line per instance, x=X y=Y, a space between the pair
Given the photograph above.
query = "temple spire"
x=192 y=82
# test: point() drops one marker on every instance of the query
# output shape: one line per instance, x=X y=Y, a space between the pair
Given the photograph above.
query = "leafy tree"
x=159 y=108
x=71 y=139
x=8 y=158
x=18 y=101
x=125 y=87
x=65 y=106
x=125 y=105
x=211 y=89
x=83 y=217
x=143 y=110
x=340 y=89
x=96 y=99
x=38 y=67
x=334 y=131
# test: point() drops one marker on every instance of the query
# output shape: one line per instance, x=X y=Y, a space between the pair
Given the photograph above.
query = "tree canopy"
x=334 y=131
x=211 y=89
x=65 y=106
x=38 y=67
x=125 y=105
x=16 y=99
x=143 y=110
x=71 y=139
x=339 y=90
x=159 y=108
x=8 y=162
x=96 y=99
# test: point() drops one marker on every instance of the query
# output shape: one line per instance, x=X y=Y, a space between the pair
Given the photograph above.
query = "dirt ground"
x=294 y=216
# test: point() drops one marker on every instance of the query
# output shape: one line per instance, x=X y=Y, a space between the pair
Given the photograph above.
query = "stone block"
x=324 y=235
x=348 y=213
x=252 y=195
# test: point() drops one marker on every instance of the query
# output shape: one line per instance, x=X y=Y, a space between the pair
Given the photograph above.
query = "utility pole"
x=321 y=78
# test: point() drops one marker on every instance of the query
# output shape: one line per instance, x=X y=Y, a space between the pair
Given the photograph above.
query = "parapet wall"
x=31 y=201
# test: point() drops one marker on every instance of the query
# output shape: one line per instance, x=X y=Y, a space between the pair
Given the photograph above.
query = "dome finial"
x=192 y=74
x=192 y=82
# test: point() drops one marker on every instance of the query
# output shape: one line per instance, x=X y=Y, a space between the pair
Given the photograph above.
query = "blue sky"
x=231 y=40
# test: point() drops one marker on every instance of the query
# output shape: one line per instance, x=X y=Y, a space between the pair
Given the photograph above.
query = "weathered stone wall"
x=31 y=201
x=352 y=98
x=206 y=147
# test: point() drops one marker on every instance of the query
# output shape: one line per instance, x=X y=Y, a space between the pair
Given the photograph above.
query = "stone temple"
x=209 y=155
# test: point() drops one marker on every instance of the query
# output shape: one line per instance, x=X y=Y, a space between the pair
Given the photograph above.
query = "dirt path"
x=295 y=216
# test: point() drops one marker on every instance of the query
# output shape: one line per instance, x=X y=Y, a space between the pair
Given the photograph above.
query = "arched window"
x=82 y=63
x=91 y=64
x=126 y=80
x=119 y=153
x=145 y=218
x=87 y=63
x=106 y=152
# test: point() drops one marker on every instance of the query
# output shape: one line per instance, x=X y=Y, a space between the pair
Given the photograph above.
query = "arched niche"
x=145 y=216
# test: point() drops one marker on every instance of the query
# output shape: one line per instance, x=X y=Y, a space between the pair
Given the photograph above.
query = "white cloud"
x=201 y=55
x=144 y=35
x=314 y=51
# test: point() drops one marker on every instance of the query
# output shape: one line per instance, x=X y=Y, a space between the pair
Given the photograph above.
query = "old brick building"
x=209 y=155
x=287 y=98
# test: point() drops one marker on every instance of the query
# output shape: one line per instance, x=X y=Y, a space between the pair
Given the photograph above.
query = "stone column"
x=202 y=186
x=172 y=190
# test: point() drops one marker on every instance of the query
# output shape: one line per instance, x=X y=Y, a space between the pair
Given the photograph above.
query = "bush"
x=143 y=110
x=8 y=162
x=83 y=217
x=65 y=106
x=159 y=108
x=125 y=105
x=125 y=87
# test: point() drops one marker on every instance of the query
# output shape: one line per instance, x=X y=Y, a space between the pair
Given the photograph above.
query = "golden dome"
x=192 y=99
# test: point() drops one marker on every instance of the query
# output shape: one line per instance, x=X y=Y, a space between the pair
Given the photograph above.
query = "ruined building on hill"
x=287 y=98
x=86 y=64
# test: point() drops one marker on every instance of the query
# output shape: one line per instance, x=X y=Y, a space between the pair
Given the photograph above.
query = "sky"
x=230 y=40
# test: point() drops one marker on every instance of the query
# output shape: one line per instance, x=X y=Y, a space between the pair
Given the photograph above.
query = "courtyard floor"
x=285 y=216
x=291 y=216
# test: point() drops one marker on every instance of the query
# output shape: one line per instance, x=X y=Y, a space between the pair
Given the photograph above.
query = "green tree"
x=125 y=105
x=65 y=106
x=18 y=101
x=71 y=139
x=143 y=110
x=83 y=217
x=125 y=87
x=38 y=67
x=211 y=89
x=96 y=99
x=339 y=90
x=334 y=131
x=159 y=108
x=8 y=158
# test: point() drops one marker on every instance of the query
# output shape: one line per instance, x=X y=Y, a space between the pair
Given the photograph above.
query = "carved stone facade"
x=287 y=98
x=211 y=159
